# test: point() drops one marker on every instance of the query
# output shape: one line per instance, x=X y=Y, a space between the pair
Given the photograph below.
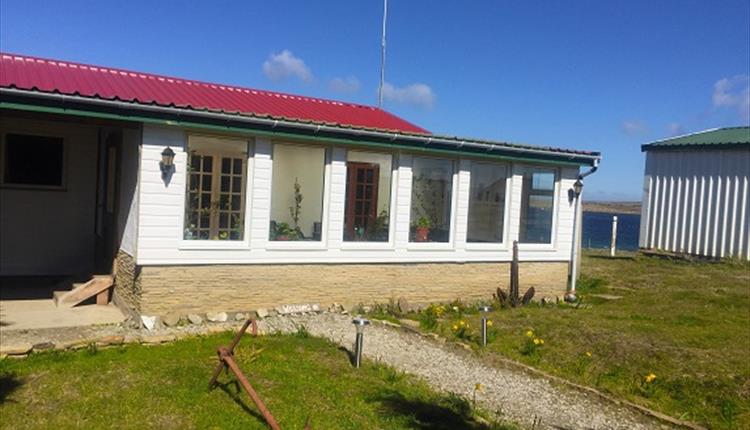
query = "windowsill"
x=236 y=245
x=536 y=247
x=484 y=246
x=365 y=246
x=295 y=245
x=430 y=246
x=21 y=187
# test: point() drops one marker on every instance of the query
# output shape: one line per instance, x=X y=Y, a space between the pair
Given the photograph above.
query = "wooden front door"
x=361 y=199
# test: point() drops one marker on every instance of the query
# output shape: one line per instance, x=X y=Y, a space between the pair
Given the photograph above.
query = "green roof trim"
x=712 y=138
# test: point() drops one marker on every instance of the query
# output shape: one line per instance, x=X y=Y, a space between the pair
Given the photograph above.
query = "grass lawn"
x=687 y=323
x=165 y=387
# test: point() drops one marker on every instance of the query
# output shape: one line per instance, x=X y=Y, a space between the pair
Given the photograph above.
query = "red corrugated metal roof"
x=55 y=76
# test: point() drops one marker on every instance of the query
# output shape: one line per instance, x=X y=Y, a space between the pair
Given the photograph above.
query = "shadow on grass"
x=448 y=413
x=8 y=384
x=349 y=355
x=236 y=393
x=607 y=257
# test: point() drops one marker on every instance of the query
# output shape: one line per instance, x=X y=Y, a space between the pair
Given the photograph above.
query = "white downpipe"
x=571 y=294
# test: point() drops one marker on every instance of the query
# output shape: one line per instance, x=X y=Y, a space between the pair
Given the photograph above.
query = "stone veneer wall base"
x=209 y=288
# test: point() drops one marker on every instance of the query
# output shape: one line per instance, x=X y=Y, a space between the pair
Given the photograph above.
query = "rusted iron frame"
x=226 y=361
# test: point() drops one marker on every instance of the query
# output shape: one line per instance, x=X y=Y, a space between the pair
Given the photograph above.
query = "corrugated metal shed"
x=727 y=136
x=696 y=194
x=106 y=83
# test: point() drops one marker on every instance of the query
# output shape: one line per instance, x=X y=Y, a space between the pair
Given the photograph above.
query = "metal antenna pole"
x=382 y=56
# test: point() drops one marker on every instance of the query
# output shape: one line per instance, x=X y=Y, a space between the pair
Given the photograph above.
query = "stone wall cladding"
x=165 y=289
x=127 y=282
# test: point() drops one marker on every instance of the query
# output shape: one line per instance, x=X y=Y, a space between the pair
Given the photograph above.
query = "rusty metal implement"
x=226 y=361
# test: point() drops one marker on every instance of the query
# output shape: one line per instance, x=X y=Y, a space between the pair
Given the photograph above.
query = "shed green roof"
x=715 y=137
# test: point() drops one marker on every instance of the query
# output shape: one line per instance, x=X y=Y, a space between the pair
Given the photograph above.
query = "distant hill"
x=613 y=207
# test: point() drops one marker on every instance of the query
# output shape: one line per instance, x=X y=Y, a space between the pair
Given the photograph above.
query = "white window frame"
x=364 y=245
x=305 y=245
x=215 y=244
x=450 y=245
x=552 y=246
x=506 y=243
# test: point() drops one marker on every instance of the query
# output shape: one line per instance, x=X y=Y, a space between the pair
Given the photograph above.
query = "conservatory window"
x=486 y=202
x=537 y=206
x=297 y=192
x=431 y=193
x=368 y=196
x=216 y=182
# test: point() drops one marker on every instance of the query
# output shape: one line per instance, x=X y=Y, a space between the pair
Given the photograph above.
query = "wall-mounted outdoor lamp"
x=360 y=324
x=484 y=309
x=167 y=161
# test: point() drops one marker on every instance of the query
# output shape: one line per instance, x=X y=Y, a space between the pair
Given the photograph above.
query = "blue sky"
x=600 y=75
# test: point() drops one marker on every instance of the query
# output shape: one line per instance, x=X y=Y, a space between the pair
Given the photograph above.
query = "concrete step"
x=96 y=286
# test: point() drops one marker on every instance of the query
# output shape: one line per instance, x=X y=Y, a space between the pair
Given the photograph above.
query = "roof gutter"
x=588 y=159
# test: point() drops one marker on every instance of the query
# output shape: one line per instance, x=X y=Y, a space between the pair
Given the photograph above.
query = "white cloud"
x=675 y=129
x=346 y=85
x=284 y=65
x=734 y=93
x=419 y=95
x=634 y=127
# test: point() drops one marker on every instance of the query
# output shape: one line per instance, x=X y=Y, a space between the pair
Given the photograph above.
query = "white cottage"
x=695 y=194
x=194 y=196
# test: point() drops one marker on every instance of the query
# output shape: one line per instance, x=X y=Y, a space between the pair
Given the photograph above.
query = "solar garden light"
x=484 y=309
x=360 y=324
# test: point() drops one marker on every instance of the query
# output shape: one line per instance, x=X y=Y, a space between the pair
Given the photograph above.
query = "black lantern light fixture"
x=167 y=161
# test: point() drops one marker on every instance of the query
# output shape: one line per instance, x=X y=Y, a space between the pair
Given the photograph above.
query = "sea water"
x=597 y=230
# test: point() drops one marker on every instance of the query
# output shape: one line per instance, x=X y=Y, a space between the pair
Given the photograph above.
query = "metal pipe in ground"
x=484 y=310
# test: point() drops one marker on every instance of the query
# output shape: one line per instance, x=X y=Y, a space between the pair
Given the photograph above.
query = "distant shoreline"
x=629 y=208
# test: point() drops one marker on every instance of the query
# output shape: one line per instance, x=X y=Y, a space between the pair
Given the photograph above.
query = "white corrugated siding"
x=695 y=201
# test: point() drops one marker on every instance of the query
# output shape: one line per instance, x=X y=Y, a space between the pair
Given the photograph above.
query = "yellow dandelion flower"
x=489 y=323
x=588 y=354
x=455 y=308
x=650 y=378
x=530 y=333
x=462 y=323
x=541 y=341
x=478 y=387
x=536 y=341
x=455 y=327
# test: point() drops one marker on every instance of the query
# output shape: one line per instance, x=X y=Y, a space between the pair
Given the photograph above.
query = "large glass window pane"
x=432 y=182
x=33 y=160
x=368 y=196
x=486 y=202
x=215 y=195
x=297 y=192
x=537 y=206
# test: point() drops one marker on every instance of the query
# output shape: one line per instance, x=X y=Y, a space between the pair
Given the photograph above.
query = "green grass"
x=688 y=323
x=137 y=387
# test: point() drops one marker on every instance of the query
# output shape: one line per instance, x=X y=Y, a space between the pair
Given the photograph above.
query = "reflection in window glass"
x=537 y=206
x=432 y=182
x=486 y=202
x=297 y=192
x=368 y=196
x=215 y=199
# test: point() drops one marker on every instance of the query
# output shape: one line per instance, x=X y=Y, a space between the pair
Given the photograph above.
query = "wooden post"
x=514 y=276
x=613 y=242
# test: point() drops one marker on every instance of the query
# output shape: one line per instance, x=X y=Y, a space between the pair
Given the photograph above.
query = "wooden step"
x=98 y=286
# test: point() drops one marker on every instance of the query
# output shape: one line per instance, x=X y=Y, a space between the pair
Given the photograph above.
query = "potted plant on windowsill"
x=422 y=229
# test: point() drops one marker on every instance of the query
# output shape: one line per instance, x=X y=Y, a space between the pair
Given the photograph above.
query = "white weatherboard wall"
x=162 y=205
x=697 y=201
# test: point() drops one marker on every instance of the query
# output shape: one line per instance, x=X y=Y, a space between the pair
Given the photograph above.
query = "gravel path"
x=511 y=393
